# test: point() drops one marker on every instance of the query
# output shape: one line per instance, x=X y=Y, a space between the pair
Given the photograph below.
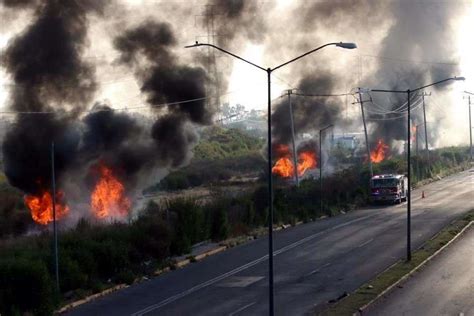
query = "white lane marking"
x=317 y=270
x=242 y=308
x=241 y=268
x=365 y=243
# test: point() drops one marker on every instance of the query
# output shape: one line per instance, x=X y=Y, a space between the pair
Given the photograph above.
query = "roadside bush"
x=25 y=287
x=189 y=225
x=220 y=224
x=151 y=237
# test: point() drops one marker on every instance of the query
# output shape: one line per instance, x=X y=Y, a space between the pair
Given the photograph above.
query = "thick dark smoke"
x=118 y=141
x=18 y=3
x=166 y=81
x=44 y=62
x=27 y=151
x=419 y=32
x=309 y=113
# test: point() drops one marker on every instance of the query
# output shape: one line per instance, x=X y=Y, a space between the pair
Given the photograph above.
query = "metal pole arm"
x=227 y=52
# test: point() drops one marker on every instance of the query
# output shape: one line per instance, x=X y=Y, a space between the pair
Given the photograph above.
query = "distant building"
x=346 y=141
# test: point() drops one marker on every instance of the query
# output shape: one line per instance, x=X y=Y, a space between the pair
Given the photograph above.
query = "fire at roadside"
x=284 y=166
x=108 y=200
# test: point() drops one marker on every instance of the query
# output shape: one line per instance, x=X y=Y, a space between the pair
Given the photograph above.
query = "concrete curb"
x=161 y=271
x=406 y=276
x=210 y=253
x=90 y=298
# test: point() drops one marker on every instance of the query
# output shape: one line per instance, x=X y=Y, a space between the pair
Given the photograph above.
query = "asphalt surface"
x=314 y=262
x=444 y=287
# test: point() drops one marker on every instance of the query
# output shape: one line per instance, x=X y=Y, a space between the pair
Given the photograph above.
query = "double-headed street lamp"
x=269 y=115
x=409 y=92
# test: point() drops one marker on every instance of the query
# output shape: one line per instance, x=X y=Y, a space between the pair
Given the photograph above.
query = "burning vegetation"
x=284 y=166
x=380 y=152
x=41 y=207
x=108 y=199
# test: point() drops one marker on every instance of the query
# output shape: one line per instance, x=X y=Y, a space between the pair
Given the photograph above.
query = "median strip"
x=358 y=301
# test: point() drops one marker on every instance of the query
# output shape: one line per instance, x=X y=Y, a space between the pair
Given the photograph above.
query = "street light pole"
x=269 y=120
x=409 y=92
x=321 y=167
x=290 y=107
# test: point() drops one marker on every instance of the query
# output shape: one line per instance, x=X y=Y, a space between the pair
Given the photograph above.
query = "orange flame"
x=284 y=166
x=413 y=133
x=108 y=198
x=378 y=154
x=306 y=160
x=41 y=207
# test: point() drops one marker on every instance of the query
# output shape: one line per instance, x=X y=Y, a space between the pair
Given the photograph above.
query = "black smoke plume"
x=166 y=82
x=45 y=64
x=309 y=113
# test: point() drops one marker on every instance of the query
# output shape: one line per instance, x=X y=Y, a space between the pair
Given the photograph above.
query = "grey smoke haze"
x=237 y=20
x=419 y=31
x=414 y=31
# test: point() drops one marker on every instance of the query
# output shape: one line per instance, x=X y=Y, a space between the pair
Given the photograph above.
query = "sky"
x=271 y=32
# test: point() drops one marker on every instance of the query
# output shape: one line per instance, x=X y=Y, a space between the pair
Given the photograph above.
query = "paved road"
x=444 y=287
x=314 y=262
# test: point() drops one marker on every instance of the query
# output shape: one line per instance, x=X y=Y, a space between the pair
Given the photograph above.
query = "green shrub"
x=25 y=287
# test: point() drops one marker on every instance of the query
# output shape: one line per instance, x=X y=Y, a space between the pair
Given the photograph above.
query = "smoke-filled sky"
x=131 y=53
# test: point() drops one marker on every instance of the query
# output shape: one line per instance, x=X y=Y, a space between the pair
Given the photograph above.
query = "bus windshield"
x=380 y=183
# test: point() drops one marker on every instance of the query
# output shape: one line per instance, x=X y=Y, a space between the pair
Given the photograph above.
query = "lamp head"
x=346 y=45
x=194 y=45
x=459 y=78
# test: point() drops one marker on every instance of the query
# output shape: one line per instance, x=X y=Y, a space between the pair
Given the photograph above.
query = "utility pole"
x=295 y=164
x=470 y=125
x=417 y=141
x=367 y=145
x=321 y=167
x=470 y=128
x=55 y=230
x=423 y=95
x=409 y=177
